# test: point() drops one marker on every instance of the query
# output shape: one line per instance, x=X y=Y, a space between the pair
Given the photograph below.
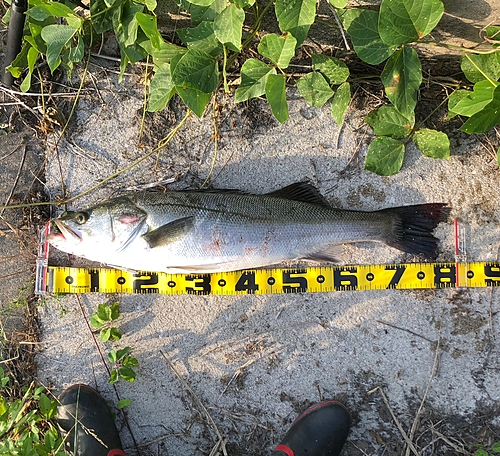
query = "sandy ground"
x=255 y=362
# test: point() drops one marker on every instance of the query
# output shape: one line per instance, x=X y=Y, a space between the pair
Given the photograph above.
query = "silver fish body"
x=194 y=231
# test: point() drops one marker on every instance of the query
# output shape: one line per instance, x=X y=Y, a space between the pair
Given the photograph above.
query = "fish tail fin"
x=413 y=227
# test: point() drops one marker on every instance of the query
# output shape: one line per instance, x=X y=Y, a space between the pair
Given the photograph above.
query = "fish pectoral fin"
x=332 y=254
x=300 y=191
x=169 y=233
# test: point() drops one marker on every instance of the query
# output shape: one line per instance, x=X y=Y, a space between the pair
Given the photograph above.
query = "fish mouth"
x=66 y=234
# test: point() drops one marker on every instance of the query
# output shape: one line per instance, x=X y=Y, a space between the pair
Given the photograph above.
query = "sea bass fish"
x=226 y=230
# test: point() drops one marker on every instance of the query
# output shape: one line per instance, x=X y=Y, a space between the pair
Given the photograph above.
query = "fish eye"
x=81 y=217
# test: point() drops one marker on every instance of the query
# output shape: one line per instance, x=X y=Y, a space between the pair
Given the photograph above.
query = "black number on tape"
x=200 y=281
x=247 y=283
x=292 y=283
x=344 y=278
x=94 y=280
x=492 y=271
x=143 y=282
x=400 y=270
x=445 y=275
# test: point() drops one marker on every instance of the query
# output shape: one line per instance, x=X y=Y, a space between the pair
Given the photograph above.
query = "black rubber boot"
x=320 y=431
x=96 y=431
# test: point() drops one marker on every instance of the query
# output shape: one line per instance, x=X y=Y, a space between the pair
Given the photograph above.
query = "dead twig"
x=235 y=375
x=222 y=441
x=398 y=424
x=16 y=180
x=406 y=330
x=419 y=411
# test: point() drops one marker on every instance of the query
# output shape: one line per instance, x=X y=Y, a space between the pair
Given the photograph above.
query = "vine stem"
x=145 y=99
x=251 y=35
x=417 y=127
x=161 y=145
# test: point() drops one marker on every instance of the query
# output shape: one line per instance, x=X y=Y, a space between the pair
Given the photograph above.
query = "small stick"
x=16 y=180
x=417 y=416
x=406 y=330
x=403 y=433
x=337 y=19
x=222 y=441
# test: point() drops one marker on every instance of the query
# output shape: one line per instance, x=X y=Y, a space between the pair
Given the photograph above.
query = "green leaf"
x=402 y=77
x=296 y=17
x=44 y=404
x=202 y=37
x=243 y=3
x=126 y=25
x=362 y=26
x=476 y=100
x=275 y=93
x=150 y=4
x=196 y=70
x=388 y=121
x=123 y=403
x=161 y=89
x=112 y=356
x=334 y=70
x=116 y=334
x=385 y=156
x=315 y=89
x=96 y=322
x=339 y=3
x=114 y=377
x=115 y=311
x=432 y=143
x=208 y=13
x=19 y=63
x=150 y=28
x=120 y=354
x=340 y=102
x=228 y=27
x=36 y=28
x=493 y=33
x=405 y=21
x=254 y=74
x=482 y=452
x=56 y=37
x=76 y=53
x=485 y=119
x=104 y=312
x=32 y=56
x=105 y=334
x=454 y=99
x=130 y=361
x=166 y=53
x=194 y=99
x=101 y=17
x=54 y=9
x=128 y=374
x=278 y=49
x=201 y=2
x=478 y=67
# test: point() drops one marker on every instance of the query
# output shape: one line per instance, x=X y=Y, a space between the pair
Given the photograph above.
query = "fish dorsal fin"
x=300 y=191
x=332 y=254
x=169 y=233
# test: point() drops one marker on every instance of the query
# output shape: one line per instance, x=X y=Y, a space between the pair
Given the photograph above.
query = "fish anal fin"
x=300 y=191
x=170 y=232
x=333 y=254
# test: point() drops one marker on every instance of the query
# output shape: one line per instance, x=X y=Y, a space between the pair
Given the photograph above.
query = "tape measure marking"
x=276 y=281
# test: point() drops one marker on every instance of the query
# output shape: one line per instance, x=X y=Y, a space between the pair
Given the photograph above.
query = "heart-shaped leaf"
x=405 y=21
x=385 y=156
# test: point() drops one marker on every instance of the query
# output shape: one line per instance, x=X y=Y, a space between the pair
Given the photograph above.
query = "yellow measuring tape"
x=52 y=279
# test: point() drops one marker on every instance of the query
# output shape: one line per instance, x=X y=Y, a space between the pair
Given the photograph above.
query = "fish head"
x=105 y=228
